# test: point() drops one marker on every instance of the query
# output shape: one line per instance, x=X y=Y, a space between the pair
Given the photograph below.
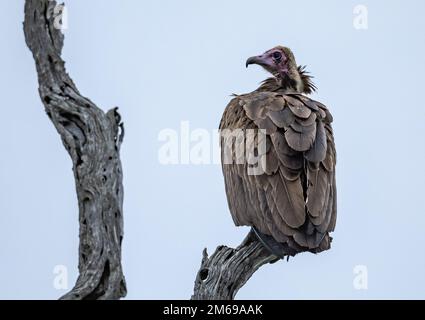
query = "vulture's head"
x=281 y=63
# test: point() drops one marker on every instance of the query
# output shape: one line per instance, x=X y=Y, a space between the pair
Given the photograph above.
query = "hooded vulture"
x=288 y=195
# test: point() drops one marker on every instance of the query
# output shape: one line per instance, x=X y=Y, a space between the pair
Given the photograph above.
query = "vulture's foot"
x=280 y=250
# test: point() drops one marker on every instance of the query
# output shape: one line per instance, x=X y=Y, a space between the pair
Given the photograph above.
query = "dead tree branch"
x=92 y=138
x=227 y=270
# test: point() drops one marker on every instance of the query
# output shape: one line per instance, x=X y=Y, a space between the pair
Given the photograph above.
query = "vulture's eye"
x=277 y=56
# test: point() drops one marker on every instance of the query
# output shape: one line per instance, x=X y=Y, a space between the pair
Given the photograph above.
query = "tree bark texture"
x=227 y=270
x=93 y=139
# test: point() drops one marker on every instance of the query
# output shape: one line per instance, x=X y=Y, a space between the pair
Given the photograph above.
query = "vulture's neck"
x=301 y=83
x=275 y=84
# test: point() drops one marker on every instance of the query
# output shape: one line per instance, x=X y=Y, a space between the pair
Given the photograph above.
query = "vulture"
x=282 y=183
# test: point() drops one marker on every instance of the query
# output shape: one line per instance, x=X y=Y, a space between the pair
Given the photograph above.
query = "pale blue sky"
x=164 y=62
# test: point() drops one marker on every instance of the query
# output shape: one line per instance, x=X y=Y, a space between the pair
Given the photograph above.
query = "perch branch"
x=227 y=270
x=92 y=139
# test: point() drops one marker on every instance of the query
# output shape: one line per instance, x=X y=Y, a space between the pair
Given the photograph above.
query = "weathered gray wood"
x=92 y=138
x=227 y=270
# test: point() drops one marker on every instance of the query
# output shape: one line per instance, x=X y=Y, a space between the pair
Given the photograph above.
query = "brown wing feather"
x=317 y=152
x=294 y=199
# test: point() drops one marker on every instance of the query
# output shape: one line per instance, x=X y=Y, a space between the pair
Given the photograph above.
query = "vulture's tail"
x=280 y=250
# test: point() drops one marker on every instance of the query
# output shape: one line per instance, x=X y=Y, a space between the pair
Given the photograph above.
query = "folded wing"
x=293 y=195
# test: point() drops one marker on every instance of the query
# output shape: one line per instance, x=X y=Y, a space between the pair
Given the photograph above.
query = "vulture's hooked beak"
x=260 y=60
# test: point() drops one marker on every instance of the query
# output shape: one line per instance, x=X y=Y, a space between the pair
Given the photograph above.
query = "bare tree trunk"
x=227 y=270
x=92 y=138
